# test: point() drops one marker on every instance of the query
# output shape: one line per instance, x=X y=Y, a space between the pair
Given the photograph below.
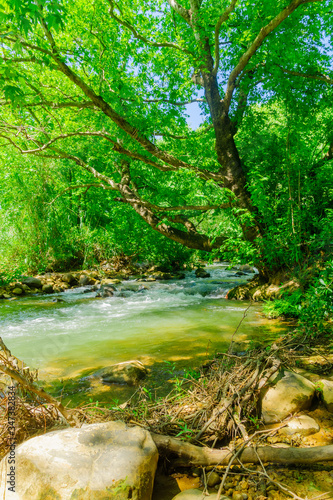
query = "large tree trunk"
x=231 y=172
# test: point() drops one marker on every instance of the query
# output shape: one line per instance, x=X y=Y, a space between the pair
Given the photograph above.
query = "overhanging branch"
x=142 y=38
x=320 y=77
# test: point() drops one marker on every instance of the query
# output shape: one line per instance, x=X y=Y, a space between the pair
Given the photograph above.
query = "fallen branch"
x=192 y=455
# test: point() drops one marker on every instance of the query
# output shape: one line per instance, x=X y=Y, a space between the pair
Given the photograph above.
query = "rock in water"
x=98 y=461
x=201 y=273
x=128 y=372
x=290 y=394
x=106 y=291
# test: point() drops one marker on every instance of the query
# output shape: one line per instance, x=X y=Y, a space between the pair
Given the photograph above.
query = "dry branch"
x=192 y=455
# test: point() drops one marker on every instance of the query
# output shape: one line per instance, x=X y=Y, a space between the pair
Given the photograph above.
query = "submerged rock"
x=128 y=372
x=290 y=394
x=98 y=461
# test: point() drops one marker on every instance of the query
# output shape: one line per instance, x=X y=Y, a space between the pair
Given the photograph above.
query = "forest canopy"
x=96 y=151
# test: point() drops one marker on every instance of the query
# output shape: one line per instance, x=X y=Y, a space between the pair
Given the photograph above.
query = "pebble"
x=212 y=479
x=237 y=495
x=243 y=485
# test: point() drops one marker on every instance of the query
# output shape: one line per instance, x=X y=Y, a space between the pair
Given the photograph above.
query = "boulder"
x=47 y=288
x=160 y=276
x=17 y=291
x=97 y=461
x=325 y=388
x=303 y=425
x=289 y=394
x=84 y=280
x=197 y=495
x=106 y=291
x=128 y=372
x=246 y=268
x=31 y=282
x=69 y=278
x=201 y=273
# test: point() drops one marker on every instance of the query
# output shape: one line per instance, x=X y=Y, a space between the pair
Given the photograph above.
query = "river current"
x=181 y=322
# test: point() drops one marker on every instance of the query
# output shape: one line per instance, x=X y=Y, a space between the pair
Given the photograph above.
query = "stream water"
x=176 y=323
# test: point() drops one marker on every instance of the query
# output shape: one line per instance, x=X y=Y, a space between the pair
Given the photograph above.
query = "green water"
x=181 y=322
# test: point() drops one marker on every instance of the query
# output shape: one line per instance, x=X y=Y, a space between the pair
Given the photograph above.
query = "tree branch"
x=222 y=19
x=60 y=105
x=319 y=77
x=184 y=13
x=203 y=208
x=138 y=36
x=264 y=32
x=88 y=186
x=123 y=124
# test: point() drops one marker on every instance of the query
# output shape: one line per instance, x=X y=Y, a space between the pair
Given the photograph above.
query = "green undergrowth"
x=311 y=304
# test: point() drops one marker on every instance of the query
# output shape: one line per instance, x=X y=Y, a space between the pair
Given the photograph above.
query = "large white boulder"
x=289 y=394
x=98 y=461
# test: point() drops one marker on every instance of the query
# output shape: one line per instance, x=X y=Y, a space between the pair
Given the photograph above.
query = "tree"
x=104 y=85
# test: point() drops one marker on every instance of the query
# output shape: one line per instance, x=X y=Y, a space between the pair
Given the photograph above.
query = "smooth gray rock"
x=95 y=462
x=31 y=282
x=290 y=394
x=128 y=372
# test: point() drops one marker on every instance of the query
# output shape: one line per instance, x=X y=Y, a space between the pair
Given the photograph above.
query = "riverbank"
x=236 y=379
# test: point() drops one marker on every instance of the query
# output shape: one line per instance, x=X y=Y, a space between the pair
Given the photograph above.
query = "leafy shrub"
x=313 y=308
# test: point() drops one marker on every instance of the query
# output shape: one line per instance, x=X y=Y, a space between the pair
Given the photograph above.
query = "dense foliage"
x=96 y=154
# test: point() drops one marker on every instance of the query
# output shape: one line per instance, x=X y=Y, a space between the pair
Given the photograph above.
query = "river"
x=170 y=324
